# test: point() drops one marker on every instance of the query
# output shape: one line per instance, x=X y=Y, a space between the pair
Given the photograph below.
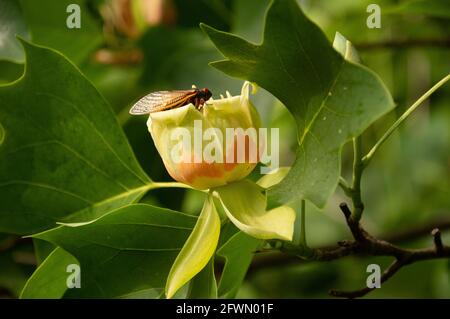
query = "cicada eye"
x=207 y=93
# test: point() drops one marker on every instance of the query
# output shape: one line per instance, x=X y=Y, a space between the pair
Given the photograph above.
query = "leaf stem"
x=156 y=185
x=299 y=245
x=303 y=224
x=358 y=167
x=345 y=187
x=400 y=120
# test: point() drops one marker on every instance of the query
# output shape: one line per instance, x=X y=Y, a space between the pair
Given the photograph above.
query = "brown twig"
x=436 y=233
x=365 y=244
x=274 y=259
x=388 y=273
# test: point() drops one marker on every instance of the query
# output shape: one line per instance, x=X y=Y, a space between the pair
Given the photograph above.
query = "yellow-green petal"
x=273 y=178
x=198 y=249
x=245 y=202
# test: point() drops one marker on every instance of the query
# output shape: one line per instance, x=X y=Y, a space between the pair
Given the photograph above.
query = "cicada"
x=166 y=100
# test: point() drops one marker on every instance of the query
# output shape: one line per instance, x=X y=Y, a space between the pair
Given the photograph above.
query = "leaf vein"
x=73 y=151
x=46 y=186
x=75 y=107
x=322 y=105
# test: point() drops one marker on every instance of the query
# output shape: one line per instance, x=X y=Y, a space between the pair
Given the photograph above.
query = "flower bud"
x=210 y=147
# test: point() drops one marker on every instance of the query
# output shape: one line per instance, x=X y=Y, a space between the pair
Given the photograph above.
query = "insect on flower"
x=166 y=100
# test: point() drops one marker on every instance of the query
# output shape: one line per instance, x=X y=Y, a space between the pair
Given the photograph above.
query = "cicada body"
x=166 y=100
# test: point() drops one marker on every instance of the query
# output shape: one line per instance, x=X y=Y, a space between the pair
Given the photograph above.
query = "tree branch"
x=436 y=233
x=275 y=258
x=358 y=168
x=365 y=244
x=388 y=273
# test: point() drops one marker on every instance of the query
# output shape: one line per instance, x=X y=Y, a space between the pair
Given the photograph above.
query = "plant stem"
x=358 y=167
x=400 y=120
x=156 y=185
x=303 y=224
x=345 y=187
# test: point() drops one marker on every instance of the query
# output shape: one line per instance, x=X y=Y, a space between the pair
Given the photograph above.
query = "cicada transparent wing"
x=162 y=100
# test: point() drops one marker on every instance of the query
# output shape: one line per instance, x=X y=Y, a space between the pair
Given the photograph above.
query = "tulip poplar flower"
x=216 y=147
x=210 y=147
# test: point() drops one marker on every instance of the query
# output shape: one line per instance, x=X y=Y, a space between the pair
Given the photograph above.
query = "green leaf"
x=248 y=18
x=332 y=100
x=126 y=251
x=238 y=253
x=9 y=72
x=198 y=249
x=203 y=285
x=245 y=204
x=63 y=153
x=46 y=21
x=49 y=281
x=12 y=24
x=151 y=293
x=42 y=249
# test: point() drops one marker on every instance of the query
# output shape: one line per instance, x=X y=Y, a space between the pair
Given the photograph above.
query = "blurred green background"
x=129 y=48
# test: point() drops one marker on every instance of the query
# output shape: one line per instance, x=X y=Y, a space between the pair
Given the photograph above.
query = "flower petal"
x=245 y=202
x=196 y=146
x=198 y=249
x=273 y=178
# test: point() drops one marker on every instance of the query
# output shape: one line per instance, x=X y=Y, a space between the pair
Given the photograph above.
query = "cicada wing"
x=161 y=100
